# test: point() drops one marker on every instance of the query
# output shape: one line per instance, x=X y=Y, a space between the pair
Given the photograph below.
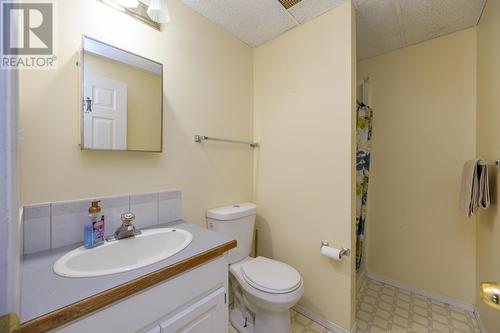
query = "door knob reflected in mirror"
x=490 y=294
x=88 y=105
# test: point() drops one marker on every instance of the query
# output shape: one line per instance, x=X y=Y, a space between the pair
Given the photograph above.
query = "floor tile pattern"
x=384 y=308
x=300 y=324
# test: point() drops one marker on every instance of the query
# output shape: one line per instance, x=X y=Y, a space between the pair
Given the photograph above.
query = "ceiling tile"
x=252 y=21
x=308 y=9
x=382 y=25
x=378 y=27
x=427 y=19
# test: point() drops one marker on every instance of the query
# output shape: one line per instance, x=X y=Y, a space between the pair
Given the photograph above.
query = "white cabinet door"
x=205 y=316
x=105 y=113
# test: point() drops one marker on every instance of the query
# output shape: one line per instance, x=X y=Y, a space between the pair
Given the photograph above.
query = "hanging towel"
x=474 y=191
x=484 y=187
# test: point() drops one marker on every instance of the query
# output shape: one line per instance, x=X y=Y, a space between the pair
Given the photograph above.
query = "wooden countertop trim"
x=81 y=308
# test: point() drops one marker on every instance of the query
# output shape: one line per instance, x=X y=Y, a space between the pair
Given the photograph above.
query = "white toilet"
x=264 y=290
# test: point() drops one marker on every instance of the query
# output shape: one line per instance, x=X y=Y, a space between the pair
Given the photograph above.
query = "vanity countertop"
x=49 y=301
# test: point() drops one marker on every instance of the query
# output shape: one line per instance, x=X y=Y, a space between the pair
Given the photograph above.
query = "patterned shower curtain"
x=364 y=135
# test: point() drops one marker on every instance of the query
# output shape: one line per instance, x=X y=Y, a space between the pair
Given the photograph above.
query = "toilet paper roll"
x=331 y=252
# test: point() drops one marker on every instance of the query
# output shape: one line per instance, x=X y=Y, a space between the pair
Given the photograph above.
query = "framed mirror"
x=122 y=99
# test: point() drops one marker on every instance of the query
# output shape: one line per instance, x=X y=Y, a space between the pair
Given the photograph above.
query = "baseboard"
x=479 y=321
x=321 y=320
x=354 y=327
x=444 y=299
x=360 y=278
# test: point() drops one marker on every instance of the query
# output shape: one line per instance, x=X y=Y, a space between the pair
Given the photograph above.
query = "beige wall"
x=303 y=175
x=424 y=129
x=207 y=90
x=488 y=146
x=144 y=94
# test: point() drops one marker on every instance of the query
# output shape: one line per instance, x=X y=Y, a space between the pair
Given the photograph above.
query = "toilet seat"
x=269 y=307
x=271 y=276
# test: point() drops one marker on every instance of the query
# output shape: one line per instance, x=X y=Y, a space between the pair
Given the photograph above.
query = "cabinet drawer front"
x=204 y=316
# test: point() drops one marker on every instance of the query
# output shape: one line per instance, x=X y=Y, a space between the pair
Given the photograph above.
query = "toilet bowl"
x=269 y=289
x=263 y=289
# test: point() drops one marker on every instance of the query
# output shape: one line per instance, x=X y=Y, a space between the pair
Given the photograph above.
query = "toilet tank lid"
x=232 y=212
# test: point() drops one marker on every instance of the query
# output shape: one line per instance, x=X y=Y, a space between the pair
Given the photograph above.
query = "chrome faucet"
x=127 y=229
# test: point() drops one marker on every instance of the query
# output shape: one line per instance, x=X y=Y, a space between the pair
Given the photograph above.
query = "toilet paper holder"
x=343 y=252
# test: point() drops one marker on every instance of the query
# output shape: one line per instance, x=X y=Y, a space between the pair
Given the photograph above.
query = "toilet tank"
x=236 y=221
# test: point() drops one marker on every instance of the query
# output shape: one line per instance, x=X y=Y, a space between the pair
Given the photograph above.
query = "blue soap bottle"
x=94 y=230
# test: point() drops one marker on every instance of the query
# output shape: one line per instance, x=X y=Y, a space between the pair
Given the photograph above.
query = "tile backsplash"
x=52 y=225
x=37 y=231
x=145 y=208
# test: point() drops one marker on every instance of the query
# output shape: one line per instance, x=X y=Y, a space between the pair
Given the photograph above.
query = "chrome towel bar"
x=489 y=162
x=200 y=138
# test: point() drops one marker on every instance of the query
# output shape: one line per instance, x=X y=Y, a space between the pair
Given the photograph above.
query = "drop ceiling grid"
x=378 y=27
x=307 y=10
x=427 y=19
x=253 y=22
x=417 y=21
x=383 y=25
x=258 y=21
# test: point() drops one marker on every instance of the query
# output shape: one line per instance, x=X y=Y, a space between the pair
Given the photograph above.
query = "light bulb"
x=158 y=11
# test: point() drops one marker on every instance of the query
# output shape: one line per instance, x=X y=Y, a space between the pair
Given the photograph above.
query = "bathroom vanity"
x=186 y=292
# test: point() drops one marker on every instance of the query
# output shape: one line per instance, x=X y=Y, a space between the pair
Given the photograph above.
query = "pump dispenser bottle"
x=94 y=229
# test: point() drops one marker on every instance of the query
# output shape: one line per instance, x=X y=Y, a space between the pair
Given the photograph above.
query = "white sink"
x=151 y=246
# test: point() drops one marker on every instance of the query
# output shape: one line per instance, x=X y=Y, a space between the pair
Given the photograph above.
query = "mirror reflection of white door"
x=105 y=113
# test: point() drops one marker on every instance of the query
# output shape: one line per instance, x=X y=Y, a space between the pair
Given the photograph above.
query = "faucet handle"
x=128 y=218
